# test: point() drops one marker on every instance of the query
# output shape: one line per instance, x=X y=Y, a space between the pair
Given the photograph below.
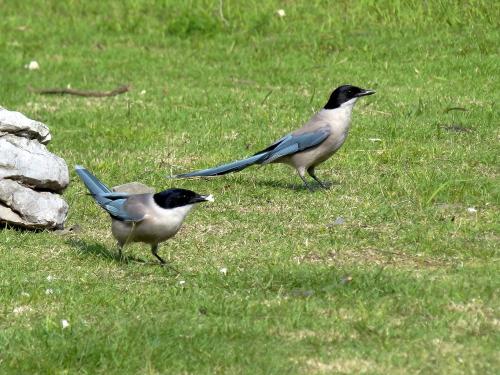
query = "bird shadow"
x=295 y=187
x=97 y=249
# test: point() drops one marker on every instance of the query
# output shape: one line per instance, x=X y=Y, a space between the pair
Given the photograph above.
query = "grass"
x=407 y=284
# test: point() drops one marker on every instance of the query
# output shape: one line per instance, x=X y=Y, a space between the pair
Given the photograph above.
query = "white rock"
x=30 y=162
x=26 y=168
x=18 y=124
x=33 y=65
x=28 y=208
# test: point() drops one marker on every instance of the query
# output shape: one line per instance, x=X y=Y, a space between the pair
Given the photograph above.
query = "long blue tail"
x=235 y=166
x=96 y=188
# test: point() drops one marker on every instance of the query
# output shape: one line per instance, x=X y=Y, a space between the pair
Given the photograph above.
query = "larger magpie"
x=307 y=147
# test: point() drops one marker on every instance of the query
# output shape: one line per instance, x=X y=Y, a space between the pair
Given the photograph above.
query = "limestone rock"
x=133 y=188
x=30 y=175
x=16 y=123
x=29 y=162
x=28 y=208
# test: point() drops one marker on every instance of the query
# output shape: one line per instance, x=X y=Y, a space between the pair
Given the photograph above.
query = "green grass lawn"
x=408 y=283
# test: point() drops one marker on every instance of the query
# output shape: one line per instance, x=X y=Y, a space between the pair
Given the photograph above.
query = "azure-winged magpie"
x=148 y=218
x=307 y=147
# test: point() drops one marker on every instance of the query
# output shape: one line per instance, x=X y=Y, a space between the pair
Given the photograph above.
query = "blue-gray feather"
x=283 y=151
x=288 y=145
x=223 y=169
x=95 y=186
x=113 y=202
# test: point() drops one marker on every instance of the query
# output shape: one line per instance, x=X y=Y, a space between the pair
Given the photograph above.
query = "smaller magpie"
x=148 y=218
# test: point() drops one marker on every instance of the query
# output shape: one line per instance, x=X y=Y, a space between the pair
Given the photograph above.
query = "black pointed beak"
x=202 y=198
x=365 y=93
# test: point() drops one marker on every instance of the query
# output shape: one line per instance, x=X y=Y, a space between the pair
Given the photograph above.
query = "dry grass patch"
x=341 y=366
x=372 y=256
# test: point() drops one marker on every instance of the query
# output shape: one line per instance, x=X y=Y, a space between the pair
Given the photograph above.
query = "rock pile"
x=31 y=178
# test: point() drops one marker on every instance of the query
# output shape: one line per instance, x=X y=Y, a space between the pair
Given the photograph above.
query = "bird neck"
x=341 y=114
x=182 y=211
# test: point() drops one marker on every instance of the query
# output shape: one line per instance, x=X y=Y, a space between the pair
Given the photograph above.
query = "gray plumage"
x=307 y=147
x=148 y=218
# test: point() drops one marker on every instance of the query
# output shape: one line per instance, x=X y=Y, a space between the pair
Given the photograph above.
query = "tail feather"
x=96 y=188
x=235 y=166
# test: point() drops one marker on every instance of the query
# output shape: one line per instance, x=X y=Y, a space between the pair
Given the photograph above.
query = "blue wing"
x=119 y=207
x=115 y=203
x=292 y=144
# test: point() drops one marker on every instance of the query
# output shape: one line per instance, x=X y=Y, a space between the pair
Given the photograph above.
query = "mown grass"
x=406 y=283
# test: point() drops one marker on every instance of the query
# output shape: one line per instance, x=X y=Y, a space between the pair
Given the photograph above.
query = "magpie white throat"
x=148 y=218
x=307 y=147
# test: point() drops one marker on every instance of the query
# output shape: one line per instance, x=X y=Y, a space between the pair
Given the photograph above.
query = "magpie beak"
x=365 y=93
x=202 y=198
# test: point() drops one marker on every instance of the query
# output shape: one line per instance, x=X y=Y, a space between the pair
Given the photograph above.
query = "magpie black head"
x=173 y=198
x=345 y=93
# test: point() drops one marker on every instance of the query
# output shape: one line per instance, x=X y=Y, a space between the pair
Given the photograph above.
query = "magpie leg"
x=310 y=170
x=154 y=251
x=302 y=176
x=120 y=248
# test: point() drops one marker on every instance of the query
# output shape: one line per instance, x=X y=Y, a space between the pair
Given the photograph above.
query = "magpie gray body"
x=148 y=218
x=307 y=147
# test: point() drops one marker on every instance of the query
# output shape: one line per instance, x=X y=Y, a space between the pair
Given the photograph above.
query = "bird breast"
x=338 y=120
x=159 y=225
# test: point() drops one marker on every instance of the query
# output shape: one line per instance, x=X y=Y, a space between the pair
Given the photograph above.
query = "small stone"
x=33 y=65
x=346 y=279
x=338 y=221
x=67 y=231
x=133 y=188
